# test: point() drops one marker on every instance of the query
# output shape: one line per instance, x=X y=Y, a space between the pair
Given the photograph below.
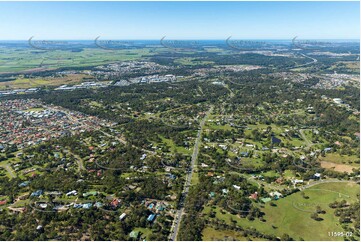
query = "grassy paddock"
x=292 y=214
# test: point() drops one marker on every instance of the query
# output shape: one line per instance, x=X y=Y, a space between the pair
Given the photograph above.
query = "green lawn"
x=296 y=142
x=21 y=203
x=251 y=162
x=213 y=126
x=271 y=174
x=173 y=147
x=195 y=178
x=289 y=174
x=144 y=232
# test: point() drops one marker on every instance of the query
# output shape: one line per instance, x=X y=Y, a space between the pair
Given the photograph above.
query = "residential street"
x=9 y=170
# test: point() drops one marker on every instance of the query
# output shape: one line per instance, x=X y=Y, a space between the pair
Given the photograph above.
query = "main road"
x=180 y=211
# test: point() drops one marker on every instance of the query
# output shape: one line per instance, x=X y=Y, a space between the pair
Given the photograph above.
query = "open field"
x=26 y=59
x=339 y=163
x=23 y=83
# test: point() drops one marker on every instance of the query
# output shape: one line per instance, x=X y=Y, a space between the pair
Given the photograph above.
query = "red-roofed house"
x=115 y=202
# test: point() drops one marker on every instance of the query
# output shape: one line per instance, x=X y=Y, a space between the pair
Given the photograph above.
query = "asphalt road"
x=180 y=211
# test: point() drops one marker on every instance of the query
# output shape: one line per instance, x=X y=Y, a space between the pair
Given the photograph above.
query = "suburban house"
x=91 y=193
x=24 y=184
x=122 y=216
x=236 y=187
x=317 y=176
x=276 y=195
x=98 y=205
x=71 y=193
x=296 y=181
x=244 y=154
x=151 y=217
x=115 y=203
x=37 y=193
x=87 y=205
x=43 y=205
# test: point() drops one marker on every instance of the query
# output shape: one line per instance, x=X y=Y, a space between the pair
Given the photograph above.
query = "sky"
x=179 y=20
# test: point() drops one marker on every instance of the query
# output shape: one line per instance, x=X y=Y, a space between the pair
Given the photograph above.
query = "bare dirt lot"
x=337 y=167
